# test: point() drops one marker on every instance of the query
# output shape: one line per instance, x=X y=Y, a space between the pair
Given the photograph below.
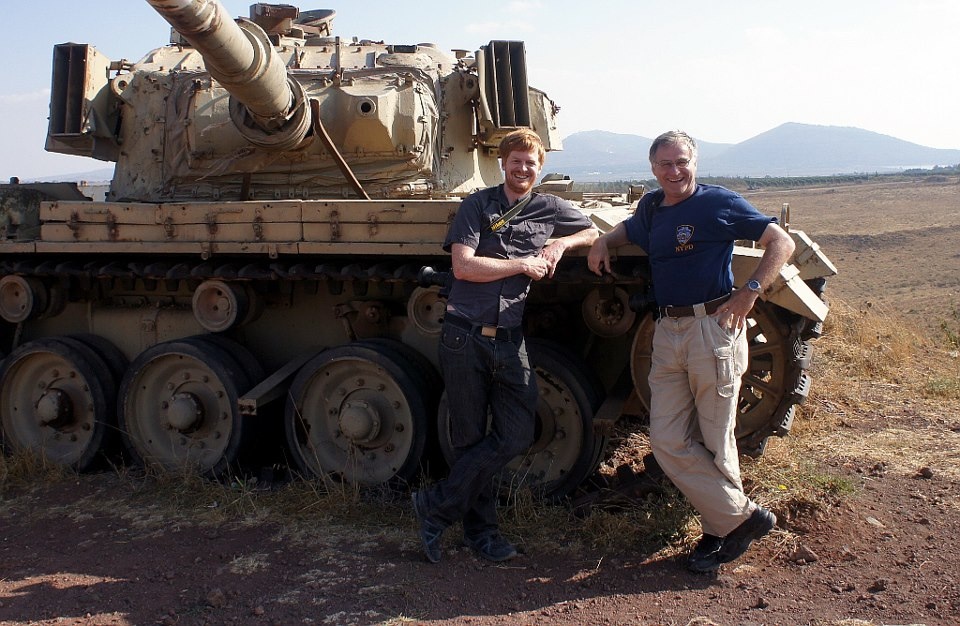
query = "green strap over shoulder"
x=509 y=215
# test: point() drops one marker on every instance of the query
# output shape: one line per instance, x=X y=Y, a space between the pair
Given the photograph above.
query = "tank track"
x=801 y=332
x=376 y=271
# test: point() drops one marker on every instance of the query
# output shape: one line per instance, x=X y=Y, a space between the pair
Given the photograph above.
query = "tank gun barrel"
x=267 y=106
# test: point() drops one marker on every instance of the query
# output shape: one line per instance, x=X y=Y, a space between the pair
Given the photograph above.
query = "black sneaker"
x=760 y=522
x=492 y=547
x=430 y=533
x=704 y=559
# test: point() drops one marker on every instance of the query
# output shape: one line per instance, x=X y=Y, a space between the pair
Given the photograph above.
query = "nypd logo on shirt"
x=684 y=235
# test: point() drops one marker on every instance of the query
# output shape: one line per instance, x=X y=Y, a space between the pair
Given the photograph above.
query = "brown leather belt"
x=709 y=308
x=513 y=335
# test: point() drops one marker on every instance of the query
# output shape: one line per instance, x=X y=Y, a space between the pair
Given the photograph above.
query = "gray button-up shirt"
x=500 y=302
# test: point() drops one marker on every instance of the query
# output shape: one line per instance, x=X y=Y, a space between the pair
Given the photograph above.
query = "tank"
x=265 y=276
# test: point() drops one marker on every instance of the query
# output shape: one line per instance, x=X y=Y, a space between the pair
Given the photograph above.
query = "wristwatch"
x=754 y=285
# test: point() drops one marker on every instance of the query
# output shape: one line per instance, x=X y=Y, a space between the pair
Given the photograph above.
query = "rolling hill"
x=790 y=149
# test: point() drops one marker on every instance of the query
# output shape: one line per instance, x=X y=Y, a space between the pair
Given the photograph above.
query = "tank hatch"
x=285 y=19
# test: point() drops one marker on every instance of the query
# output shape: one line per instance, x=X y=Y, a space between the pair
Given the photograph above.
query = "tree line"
x=746 y=183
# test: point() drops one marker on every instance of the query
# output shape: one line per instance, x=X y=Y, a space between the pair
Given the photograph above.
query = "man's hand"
x=733 y=313
x=552 y=253
x=536 y=267
x=778 y=246
x=598 y=259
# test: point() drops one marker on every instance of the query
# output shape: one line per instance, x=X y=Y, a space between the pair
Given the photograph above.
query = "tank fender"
x=809 y=259
x=788 y=291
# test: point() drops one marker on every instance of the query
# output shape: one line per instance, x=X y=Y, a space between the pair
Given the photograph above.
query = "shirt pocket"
x=529 y=236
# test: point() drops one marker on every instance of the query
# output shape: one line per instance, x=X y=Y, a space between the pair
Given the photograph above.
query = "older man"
x=700 y=346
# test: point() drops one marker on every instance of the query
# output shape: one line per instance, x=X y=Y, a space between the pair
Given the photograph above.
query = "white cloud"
x=39 y=96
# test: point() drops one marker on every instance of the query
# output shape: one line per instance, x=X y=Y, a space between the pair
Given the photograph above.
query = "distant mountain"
x=600 y=155
x=790 y=149
x=803 y=149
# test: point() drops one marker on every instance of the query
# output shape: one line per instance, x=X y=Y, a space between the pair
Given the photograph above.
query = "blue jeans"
x=481 y=373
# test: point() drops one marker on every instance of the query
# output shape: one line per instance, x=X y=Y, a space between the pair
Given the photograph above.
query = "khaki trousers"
x=695 y=387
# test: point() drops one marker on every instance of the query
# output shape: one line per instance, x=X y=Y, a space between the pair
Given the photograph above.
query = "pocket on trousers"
x=726 y=371
x=725 y=331
x=453 y=339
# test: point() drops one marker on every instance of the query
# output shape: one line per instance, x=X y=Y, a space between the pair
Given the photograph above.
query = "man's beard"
x=519 y=188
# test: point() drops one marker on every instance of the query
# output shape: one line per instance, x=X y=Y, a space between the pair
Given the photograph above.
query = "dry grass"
x=870 y=371
x=154 y=502
x=908 y=394
x=872 y=408
x=866 y=344
x=23 y=470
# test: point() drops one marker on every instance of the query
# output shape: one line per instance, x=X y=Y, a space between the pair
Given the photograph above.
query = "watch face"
x=753 y=285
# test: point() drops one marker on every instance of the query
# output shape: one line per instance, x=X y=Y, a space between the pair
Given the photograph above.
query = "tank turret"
x=276 y=106
x=266 y=106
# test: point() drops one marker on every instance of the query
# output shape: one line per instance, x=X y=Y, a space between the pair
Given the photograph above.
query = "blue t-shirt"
x=690 y=244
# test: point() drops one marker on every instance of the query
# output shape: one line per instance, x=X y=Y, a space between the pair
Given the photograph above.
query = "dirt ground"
x=101 y=549
x=895 y=244
x=890 y=554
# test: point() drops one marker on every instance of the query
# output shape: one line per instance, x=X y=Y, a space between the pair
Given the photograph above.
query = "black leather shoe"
x=430 y=533
x=492 y=547
x=704 y=559
x=760 y=522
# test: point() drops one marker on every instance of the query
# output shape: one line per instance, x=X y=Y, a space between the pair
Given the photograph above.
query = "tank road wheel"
x=356 y=412
x=773 y=383
x=23 y=298
x=430 y=384
x=178 y=408
x=114 y=359
x=247 y=364
x=57 y=400
x=565 y=449
x=220 y=305
x=582 y=380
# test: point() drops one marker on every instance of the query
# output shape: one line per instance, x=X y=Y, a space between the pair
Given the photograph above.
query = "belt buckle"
x=489 y=331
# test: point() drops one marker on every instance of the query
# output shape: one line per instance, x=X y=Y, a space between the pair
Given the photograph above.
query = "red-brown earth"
x=867 y=492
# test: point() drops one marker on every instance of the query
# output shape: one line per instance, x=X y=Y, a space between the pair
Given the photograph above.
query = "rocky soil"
x=97 y=549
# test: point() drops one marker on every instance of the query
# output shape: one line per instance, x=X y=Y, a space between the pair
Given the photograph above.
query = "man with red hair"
x=498 y=243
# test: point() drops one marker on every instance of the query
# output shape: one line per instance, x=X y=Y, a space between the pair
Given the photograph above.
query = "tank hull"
x=271 y=300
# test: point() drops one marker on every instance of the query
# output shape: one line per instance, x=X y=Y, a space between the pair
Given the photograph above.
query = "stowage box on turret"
x=256 y=265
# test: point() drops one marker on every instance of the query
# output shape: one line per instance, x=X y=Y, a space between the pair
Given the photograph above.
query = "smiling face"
x=675 y=167
x=520 y=171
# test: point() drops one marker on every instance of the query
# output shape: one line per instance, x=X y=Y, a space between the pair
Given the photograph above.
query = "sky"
x=722 y=71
